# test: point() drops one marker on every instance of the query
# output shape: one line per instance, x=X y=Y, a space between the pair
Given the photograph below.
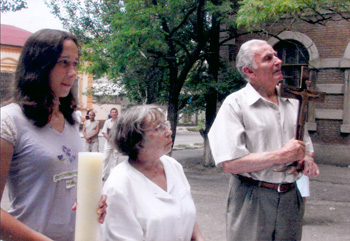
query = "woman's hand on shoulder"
x=102 y=208
x=102 y=211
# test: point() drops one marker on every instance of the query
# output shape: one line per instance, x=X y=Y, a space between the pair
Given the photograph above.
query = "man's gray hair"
x=128 y=132
x=245 y=56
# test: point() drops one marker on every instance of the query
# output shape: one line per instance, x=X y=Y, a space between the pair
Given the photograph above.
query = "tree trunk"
x=211 y=97
x=173 y=116
x=208 y=160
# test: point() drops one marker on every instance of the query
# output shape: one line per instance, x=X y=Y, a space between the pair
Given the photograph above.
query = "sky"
x=37 y=16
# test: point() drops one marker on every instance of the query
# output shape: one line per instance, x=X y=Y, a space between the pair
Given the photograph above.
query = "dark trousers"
x=258 y=213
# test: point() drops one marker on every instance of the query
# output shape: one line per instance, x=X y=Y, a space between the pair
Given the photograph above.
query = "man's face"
x=114 y=114
x=268 y=65
x=92 y=116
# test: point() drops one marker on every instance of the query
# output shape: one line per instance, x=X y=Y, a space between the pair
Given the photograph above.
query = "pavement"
x=327 y=215
x=327 y=210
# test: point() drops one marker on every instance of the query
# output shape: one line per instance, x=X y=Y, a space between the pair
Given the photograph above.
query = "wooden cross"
x=304 y=95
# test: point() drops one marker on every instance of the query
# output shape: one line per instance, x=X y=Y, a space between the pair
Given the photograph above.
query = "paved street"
x=327 y=214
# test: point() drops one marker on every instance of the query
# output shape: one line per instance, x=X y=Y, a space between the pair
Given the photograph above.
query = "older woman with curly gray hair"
x=149 y=196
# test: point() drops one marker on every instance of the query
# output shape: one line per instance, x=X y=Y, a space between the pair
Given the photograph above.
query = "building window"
x=294 y=55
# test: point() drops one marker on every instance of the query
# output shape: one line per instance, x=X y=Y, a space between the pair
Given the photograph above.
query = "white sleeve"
x=120 y=222
x=8 y=128
x=227 y=134
x=307 y=141
x=105 y=126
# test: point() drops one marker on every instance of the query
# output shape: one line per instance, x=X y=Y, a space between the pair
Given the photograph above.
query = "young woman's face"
x=63 y=74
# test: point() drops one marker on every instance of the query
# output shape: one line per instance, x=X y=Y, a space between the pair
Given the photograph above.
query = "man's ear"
x=247 y=70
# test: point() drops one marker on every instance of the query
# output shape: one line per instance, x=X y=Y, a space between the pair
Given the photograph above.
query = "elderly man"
x=253 y=136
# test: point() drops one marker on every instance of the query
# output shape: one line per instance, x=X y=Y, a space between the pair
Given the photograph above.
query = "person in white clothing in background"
x=110 y=154
x=78 y=114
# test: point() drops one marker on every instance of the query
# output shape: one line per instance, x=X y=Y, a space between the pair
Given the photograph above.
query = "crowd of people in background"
x=91 y=129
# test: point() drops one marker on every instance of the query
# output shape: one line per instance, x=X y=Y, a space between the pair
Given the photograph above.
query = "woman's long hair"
x=32 y=90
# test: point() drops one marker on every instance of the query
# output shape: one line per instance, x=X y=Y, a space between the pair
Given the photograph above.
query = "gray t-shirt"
x=42 y=177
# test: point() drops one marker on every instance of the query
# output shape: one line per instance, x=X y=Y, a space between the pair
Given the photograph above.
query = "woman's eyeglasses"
x=162 y=126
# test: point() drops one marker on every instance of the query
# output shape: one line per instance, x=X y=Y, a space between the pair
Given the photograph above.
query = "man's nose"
x=278 y=60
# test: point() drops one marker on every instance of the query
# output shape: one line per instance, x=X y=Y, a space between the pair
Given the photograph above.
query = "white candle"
x=89 y=190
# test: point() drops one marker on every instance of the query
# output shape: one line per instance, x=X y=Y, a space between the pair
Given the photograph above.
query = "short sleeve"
x=307 y=141
x=120 y=222
x=8 y=128
x=104 y=128
x=227 y=134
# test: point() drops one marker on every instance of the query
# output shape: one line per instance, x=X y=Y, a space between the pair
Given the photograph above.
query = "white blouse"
x=138 y=209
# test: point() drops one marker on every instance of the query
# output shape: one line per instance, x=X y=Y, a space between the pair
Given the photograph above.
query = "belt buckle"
x=279 y=187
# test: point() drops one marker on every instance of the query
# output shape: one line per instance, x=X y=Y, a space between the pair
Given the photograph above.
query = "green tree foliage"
x=152 y=45
x=12 y=5
x=256 y=14
x=167 y=51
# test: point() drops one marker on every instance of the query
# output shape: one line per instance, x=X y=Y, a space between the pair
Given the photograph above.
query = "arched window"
x=294 y=55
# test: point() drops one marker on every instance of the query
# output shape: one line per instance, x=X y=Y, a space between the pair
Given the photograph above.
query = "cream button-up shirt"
x=138 y=209
x=247 y=123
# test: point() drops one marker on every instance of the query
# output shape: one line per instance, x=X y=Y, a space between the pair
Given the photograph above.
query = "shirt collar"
x=254 y=96
x=151 y=186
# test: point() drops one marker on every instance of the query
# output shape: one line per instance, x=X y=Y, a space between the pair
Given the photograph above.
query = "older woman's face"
x=157 y=137
x=64 y=73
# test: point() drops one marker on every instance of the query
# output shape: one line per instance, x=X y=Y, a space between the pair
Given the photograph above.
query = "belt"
x=279 y=187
